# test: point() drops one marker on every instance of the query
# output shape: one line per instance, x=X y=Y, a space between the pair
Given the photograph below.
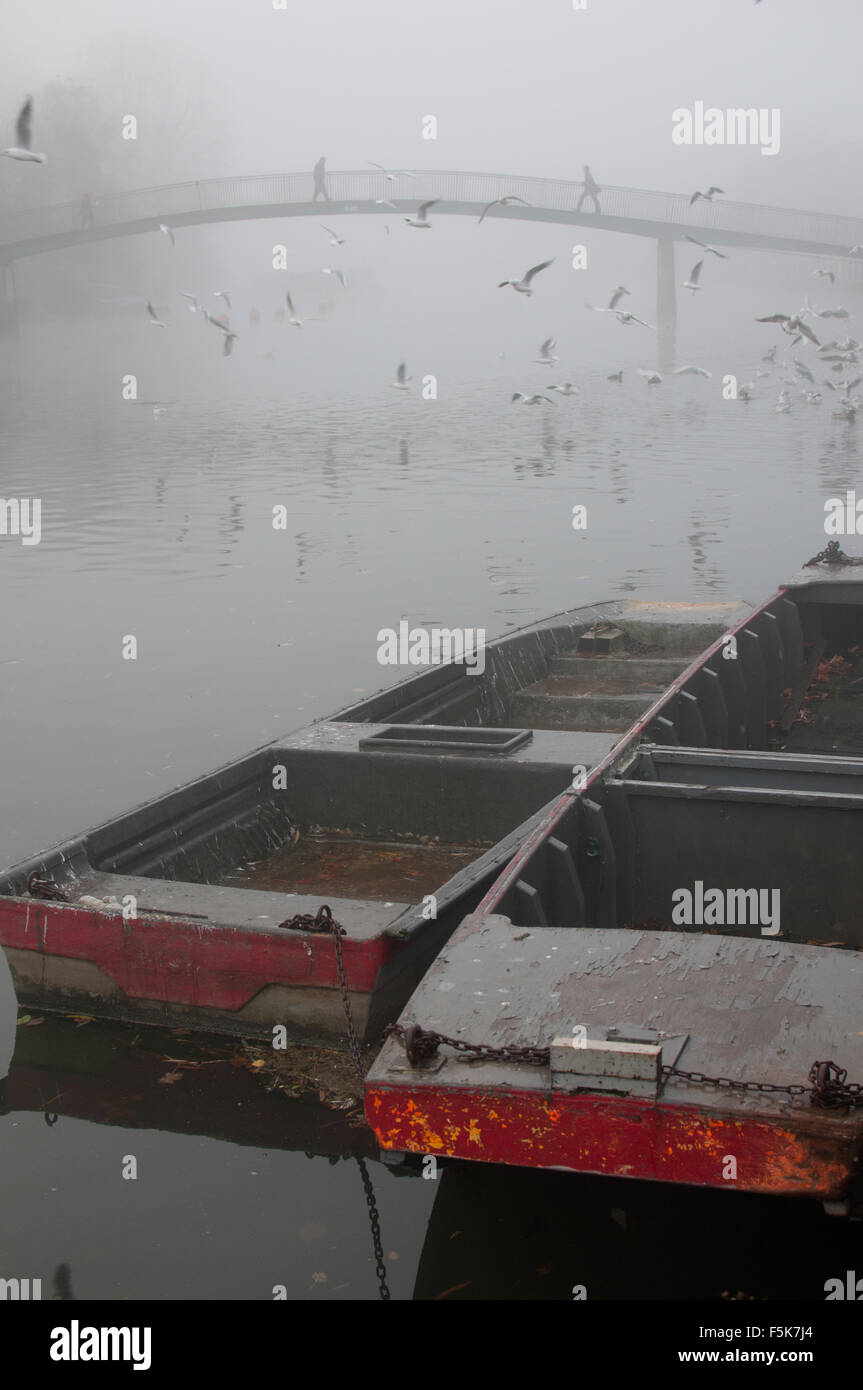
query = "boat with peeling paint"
x=591 y=1014
x=399 y=813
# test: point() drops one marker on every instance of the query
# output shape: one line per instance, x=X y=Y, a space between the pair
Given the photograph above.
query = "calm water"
x=454 y=511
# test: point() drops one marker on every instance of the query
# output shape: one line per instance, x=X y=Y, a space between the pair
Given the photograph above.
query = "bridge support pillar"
x=666 y=306
x=8 y=305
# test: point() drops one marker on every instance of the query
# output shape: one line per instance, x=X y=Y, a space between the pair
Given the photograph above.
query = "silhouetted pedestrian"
x=319 y=174
x=590 y=190
x=86 y=210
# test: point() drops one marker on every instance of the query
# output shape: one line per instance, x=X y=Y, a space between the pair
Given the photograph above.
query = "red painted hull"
x=180 y=964
x=616 y=1138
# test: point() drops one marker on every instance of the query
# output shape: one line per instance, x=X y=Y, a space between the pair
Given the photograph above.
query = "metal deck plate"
x=753 y=1009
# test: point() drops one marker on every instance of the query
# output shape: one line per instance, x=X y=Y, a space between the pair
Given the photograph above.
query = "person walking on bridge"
x=86 y=211
x=590 y=190
x=319 y=175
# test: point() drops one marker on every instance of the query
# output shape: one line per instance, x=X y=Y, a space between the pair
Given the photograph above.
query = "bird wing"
x=775 y=318
x=546 y=346
x=290 y=304
x=807 y=333
x=424 y=207
x=493 y=204
x=694 y=198
x=401 y=373
x=694 y=240
x=376 y=165
x=695 y=272
x=22 y=125
x=535 y=269
x=714 y=189
x=329 y=229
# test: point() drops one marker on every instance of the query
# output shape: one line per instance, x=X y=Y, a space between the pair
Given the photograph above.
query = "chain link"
x=827 y=1080
x=832 y=554
x=41 y=886
x=374 y=1221
x=323 y=921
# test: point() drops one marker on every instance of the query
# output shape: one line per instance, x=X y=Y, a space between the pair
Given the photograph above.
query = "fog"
x=225 y=87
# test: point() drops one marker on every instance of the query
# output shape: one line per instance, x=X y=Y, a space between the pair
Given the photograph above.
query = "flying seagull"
x=704 y=246
x=708 y=196
x=565 y=389
x=168 y=232
x=530 y=400
x=293 y=320
x=22 y=149
x=624 y=318
x=402 y=378
x=222 y=294
x=522 y=286
x=502 y=203
x=615 y=376
x=825 y=275
x=335 y=239
x=154 y=317
x=329 y=270
x=803 y=370
x=791 y=323
x=616 y=295
x=652 y=378
x=392 y=174
x=691 y=371
x=421 y=219
x=384 y=203
x=546 y=353
x=694 y=277
x=227 y=333
x=193 y=307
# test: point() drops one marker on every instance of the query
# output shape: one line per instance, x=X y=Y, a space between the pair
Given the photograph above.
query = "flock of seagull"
x=842 y=357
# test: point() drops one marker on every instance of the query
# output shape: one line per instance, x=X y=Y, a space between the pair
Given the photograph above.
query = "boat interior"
x=435 y=786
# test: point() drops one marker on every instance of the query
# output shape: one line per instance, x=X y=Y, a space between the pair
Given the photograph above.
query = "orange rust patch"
x=620 y=1136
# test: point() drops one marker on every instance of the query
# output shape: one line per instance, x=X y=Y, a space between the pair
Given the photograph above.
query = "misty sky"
x=532 y=88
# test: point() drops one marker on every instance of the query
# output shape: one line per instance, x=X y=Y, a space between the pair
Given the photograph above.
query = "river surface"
x=157 y=522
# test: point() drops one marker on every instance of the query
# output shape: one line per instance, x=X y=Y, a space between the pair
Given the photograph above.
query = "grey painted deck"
x=754 y=1009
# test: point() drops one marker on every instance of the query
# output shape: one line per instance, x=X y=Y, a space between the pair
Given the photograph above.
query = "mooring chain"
x=827 y=1081
x=323 y=921
x=832 y=554
x=374 y=1221
x=421 y=1046
x=41 y=886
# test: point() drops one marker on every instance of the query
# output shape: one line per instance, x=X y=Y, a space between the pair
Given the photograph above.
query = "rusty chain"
x=41 y=886
x=323 y=921
x=832 y=554
x=374 y=1222
x=827 y=1087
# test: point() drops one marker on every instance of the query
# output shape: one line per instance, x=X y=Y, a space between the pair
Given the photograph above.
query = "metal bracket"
x=623 y=1060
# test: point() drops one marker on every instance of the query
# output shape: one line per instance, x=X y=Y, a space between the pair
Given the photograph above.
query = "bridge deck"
x=637 y=212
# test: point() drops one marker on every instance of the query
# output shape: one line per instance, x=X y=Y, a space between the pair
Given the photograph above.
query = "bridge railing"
x=364 y=186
